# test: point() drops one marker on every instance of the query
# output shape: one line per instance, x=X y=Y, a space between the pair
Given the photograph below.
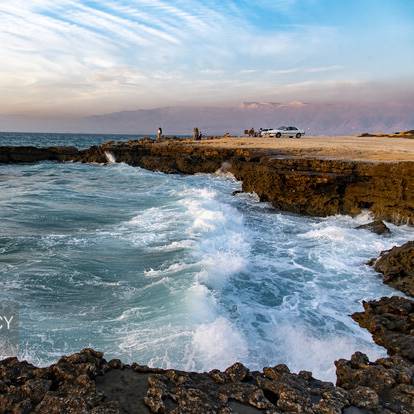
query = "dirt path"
x=344 y=147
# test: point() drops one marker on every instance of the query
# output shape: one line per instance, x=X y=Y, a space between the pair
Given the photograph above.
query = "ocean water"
x=174 y=271
x=80 y=141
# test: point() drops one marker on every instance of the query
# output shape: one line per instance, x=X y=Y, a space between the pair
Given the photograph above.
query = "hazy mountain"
x=315 y=118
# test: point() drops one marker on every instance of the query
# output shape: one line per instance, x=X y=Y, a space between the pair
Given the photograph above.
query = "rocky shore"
x=86 y=383
x=315 y=186
x=397 y=267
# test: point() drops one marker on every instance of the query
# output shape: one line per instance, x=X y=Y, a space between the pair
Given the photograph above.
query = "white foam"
x=301 y=349
x=222 y=247
x=171 y=269
x=219 y=344
x=110 y=157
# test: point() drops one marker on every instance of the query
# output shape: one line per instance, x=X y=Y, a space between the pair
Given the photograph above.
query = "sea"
x=174 y=271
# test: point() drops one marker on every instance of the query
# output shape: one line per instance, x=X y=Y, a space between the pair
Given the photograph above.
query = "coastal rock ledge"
x=308 y=185
x=86 y=383
x=397 y=267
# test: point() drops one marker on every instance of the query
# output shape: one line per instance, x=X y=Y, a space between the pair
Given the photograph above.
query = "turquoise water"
x=173 y=271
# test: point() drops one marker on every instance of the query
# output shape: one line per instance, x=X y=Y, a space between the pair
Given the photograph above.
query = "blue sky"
x=86 y=57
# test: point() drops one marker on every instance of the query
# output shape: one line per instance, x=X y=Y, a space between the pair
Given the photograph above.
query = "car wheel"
x=278 y=135
x=298 y=135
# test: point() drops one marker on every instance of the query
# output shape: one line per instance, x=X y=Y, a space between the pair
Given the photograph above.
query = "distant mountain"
x=315 y=118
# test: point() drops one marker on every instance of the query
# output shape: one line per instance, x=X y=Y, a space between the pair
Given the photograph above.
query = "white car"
x=291 y=132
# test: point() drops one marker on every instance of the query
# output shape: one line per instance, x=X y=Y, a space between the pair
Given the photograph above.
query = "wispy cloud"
x=94 y=56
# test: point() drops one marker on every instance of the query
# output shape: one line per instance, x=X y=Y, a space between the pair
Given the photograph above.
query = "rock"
x=397 y=266
x=237 y=372
x=379 y=386
x=13 y=155
x=377 y=227
x=86 y=383
x=364 y=397
x=391 y=323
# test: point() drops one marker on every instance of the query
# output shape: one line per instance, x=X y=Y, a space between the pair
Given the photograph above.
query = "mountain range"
x=314 y=118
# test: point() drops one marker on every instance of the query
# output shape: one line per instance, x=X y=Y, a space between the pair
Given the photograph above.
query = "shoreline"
x=86 y=383
x=312 y=185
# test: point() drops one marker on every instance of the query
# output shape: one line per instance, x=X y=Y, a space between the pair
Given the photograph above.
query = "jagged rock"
x=377 y=227
x=237 y=372
x=397 y=266
x=86 y=383
x=384 y=386
x=391 y=323
x=13 y=155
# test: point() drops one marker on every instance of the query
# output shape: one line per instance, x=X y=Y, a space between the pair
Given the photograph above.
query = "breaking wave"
x=174 y=271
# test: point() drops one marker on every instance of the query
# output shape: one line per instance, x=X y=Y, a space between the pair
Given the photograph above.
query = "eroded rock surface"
x=16 y=155
x=397 y=266
x=377 y=227
x=391 y=323
x=87 y=383
x=384 y=386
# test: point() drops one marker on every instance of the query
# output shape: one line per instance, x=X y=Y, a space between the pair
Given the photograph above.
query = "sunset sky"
x=79 y=57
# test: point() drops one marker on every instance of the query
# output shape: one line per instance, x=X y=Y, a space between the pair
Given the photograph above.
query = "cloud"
x=88 y=57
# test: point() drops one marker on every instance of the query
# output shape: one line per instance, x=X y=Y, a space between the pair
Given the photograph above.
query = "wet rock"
x=397 y=266
x=237 y=372
x=391 y=323
x=16 y=155
x=86 y=383
x=377 y=227
x=364 y=397
x=378 y=387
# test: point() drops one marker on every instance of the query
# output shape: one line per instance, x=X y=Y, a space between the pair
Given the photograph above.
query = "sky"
x=82 y=57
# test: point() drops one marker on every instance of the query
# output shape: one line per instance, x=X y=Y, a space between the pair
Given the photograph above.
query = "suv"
x=278 y=132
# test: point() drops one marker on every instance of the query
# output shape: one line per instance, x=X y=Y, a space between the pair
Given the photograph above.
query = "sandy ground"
x=344 y=147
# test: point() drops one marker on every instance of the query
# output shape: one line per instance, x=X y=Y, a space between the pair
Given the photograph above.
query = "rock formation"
x=16 y=155
x=377 y=227
x=397 y=266
x=384 y=386
x=391 y=323
x=87 y=383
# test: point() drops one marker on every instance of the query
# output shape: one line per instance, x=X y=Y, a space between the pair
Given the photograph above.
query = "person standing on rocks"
x=159 y=134
x=196 y=134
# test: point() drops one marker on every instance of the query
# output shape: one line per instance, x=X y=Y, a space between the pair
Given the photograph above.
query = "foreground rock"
x=391 y=323
x=384 y=386
x=397 y=266
x=312 y=186
x=377 y=227
x=87 y=383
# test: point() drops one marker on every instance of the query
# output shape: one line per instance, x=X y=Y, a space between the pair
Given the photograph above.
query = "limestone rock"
x=377 y=227
x=391 y=323
x=397 y=266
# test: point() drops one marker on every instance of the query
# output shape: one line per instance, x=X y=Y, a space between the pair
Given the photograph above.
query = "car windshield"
x=282 y=127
